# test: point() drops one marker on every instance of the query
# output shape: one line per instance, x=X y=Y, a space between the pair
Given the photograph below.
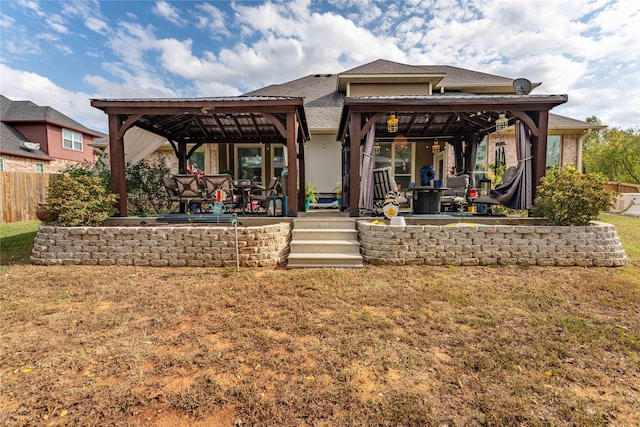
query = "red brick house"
x=41 y=139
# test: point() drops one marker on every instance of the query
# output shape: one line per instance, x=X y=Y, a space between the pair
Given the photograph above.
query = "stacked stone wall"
x=163 y=246
x=596 y=245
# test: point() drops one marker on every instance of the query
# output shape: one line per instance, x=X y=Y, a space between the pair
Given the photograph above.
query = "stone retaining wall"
x=163 y=246
x=596 y=245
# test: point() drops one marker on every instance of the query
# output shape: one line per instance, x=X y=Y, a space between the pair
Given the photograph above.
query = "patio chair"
x=267 y=195
x=172 y=188
x=190 y=190
x=507 y=177
x=383 y=184
x=223 y=182
x=456 y=192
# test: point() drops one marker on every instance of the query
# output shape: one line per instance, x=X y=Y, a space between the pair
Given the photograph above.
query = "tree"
x=613 y=153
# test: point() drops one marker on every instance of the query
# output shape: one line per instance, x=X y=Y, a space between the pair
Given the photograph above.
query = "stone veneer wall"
x=596 y=245
x=163 y=246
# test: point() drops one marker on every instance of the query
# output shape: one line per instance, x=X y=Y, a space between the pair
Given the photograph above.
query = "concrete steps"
x=324 y=242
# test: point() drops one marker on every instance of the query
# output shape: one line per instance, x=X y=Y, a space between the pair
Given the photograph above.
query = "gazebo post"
x=116 y=154
x=292 y=167
x=539 y=144
x=354 y=166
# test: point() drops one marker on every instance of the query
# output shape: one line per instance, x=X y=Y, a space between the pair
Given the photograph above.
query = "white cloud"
x=165 y=10
x=212 y=19
x=20 y=85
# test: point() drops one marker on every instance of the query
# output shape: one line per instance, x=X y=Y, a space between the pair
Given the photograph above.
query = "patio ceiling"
x=211 y=120
x=441 y=115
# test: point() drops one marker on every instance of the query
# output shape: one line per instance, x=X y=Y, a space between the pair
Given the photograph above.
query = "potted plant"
x=310 y=195
x=338 y=189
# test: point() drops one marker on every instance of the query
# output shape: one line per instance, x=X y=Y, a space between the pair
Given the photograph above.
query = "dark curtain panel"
x=517 y=194
x=470 y=155
x=458 y=154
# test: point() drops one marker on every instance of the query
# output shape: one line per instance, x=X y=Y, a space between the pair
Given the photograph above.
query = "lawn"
x=376 y=346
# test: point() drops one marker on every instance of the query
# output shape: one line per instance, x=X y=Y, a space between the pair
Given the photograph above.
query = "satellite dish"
x=31 y=146
x=522 y=86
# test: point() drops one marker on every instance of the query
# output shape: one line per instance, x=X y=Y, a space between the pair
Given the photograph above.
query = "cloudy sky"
x=65 y=53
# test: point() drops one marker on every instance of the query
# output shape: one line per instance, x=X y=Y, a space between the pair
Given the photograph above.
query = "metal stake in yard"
x=234 y=221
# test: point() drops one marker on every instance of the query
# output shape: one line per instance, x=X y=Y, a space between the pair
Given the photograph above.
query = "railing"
x=20 y=194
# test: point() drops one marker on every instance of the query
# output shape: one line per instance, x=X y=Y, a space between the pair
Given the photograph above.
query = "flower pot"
x=307 y=202
x=46 y=215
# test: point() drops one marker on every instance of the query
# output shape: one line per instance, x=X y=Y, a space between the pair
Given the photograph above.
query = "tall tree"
x=613 y=153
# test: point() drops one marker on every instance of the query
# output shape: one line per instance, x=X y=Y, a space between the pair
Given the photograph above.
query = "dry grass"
x=377 y=346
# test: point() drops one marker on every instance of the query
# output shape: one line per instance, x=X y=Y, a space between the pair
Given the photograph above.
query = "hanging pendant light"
x=501 y=122
x=435 y=148
x=392 y=124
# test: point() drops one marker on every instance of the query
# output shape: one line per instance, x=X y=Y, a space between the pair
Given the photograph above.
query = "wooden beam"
x=277 y=123
x=527 y=121
x=127 y=124
x=372 y=121
x=116 y=155
x=354 y=166
x=539 y=150
x=292 y=168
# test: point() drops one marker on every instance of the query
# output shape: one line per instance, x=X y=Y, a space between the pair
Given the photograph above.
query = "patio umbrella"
x=366 y=184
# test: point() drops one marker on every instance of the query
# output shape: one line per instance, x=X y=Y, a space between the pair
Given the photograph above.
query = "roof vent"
x=316 y=75
x=31 y=146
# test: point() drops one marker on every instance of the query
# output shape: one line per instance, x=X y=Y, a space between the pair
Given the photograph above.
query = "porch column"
x=354 y=166
x=539 y=150
x=116 y=154
x=292 y=167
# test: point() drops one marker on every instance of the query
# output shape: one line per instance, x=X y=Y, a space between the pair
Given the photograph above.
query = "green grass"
x=16 y=241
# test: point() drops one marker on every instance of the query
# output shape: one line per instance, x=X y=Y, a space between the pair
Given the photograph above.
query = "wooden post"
x=539 y=150
x=116 y=154
x=354 y=178
x=293 y=198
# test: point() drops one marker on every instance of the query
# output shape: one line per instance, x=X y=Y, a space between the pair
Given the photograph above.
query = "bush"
x=78 y=199
x=145 y=189
x=568 y=197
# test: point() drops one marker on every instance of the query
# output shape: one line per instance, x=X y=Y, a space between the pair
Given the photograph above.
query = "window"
x=197 y=160
x=39 y=167
x=278 y=159
x=71 y=140
x=249 y=163
x=400 y=155
x=554 y=148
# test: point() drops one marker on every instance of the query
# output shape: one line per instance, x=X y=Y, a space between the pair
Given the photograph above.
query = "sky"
x=65 y=53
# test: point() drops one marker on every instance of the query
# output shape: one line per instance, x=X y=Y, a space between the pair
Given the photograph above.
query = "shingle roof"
x=562 y=122
x=321 y=100
x=27 y=111
x=13 y=144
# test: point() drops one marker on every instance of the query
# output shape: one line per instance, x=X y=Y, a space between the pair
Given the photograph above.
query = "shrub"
x=145 y=190
x=568 y=197
x=79 y=199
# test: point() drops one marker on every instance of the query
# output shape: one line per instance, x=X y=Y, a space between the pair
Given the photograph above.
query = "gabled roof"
x=557 y=122
x=321 y=100
x=28 y=112
x=13 y=143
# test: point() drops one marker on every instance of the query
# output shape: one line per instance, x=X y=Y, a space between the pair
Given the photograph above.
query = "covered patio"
x=189 y=123
x=459 y=120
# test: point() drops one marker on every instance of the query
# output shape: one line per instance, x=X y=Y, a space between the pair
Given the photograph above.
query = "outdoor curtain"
x=139 y=143
x=518 y=194
x=366 y=184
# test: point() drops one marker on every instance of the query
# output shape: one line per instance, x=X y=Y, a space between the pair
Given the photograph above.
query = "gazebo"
x=460 y=120
x=189 y=123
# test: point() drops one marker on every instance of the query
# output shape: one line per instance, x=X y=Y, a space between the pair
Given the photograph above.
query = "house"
x=447 y=117
x=41 y=139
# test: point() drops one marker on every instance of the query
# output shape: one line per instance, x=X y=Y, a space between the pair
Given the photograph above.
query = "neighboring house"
x=41 y=139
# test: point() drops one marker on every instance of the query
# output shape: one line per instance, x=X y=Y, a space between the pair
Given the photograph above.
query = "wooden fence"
x=622 y=187
x=20 y=194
